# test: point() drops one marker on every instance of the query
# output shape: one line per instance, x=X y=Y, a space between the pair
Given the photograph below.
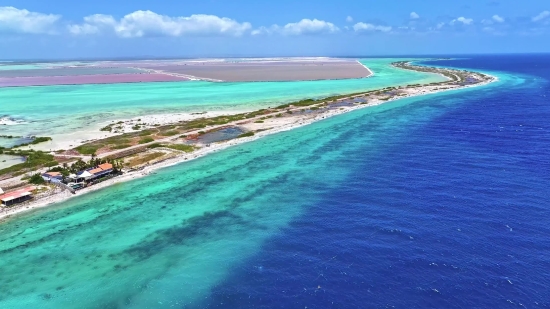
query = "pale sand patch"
x=278 y=124
x=70 y=140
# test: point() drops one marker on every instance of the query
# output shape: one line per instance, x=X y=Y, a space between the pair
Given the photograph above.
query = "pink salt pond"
x=87 y=79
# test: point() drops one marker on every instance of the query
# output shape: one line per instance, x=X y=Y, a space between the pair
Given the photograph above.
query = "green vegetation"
x=62 y=170
x=247 y=134
x=259 y=121
x=181 y=147
x=136 y=127
x=169 y=133
x=36 y=140
x=108 y=128
x=87 y=149
x=155 y=145
x=454 y=76
x=34 y=160
x=10 y=136
x=36 y=179
x=146 y=132
x=146 y=140
x=144 y=158
x=113 y=142
x=121 y=146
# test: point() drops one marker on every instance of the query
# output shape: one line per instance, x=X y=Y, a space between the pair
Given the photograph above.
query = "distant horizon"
x=27 y=60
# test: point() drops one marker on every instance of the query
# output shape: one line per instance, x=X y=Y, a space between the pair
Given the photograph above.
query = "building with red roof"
x=17 y=196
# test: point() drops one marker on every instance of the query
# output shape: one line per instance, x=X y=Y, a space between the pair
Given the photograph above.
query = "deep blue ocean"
x=449 y=211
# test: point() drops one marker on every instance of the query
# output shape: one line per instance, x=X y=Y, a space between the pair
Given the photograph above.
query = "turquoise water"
x=166 y=240
x=52 y=110
x=7 y=161
x=19 y=67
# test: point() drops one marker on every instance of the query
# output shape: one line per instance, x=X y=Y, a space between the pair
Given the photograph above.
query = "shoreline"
x=8 y=213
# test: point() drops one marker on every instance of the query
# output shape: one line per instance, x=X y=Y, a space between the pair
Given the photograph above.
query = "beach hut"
x=14 y=197
x=106 y=167
x=52 y=176
x=102 y=170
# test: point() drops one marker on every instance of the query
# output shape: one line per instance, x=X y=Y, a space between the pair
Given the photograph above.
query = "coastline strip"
x=6 y=213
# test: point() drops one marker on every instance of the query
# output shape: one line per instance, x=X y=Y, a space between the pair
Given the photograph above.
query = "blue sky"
x=210 y=28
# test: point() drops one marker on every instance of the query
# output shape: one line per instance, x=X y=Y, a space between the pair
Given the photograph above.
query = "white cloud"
x=349 y=19
x=308 y=26
x=303 y=27
x=414 y=15
x=440 y=25
x=365 y=27
x=147 y=23
x=541 y=16
x=23 y=21
x=498 y=19
x=463 y=20
x=265 y=30
x=93 y=24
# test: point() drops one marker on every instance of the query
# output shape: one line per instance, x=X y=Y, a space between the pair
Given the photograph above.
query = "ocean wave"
x=10 y=121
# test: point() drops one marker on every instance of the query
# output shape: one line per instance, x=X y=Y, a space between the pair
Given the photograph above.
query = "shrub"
x=39 y=140
x=155 y=145
x=181 y=147
x=37 y=179
x=145 y=132
x=169 y=133
x=146 y=140
x=247 y=134
x=87 y=149
x=34 y=159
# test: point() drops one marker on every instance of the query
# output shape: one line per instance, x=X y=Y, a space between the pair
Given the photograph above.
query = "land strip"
x=206 y=135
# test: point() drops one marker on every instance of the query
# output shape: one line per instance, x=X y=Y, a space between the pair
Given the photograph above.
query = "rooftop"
x=16 y=194
x=106 y=166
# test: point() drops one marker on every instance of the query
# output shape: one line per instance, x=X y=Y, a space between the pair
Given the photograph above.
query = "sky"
x=68 y=29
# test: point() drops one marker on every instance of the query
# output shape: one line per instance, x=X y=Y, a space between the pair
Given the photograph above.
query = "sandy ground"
x=76 y=138
x=277 y=124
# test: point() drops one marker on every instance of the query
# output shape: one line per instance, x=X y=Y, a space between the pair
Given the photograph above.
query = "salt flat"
x=268 y=70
